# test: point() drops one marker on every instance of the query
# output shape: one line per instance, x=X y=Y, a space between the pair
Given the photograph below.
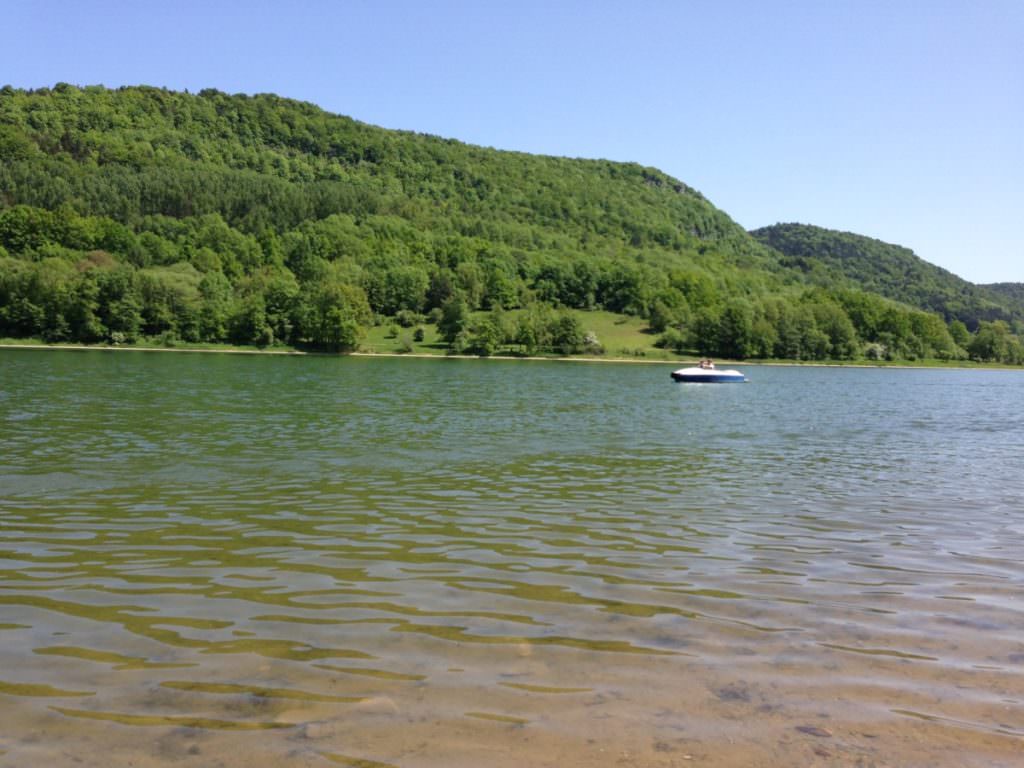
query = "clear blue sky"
x=899 y=119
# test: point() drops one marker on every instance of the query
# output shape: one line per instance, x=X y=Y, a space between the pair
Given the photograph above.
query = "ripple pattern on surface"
x=313 y=550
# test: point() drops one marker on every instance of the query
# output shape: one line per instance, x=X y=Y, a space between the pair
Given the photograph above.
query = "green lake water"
x=212 y=559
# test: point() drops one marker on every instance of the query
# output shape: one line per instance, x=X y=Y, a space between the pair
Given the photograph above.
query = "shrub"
x=407 y=318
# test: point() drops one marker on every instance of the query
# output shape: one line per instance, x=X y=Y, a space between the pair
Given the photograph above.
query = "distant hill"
x=830 y=256
x=142 y=213
x=1013 y=292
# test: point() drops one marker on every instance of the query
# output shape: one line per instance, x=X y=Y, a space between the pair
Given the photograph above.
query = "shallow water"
x=241 y=561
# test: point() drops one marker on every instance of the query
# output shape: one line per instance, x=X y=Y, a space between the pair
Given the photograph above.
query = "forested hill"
x=830 y=257
x=1009 y=291
x=265 y=163
x=145 y=213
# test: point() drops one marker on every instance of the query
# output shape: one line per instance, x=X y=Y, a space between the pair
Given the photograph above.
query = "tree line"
x=92 y=279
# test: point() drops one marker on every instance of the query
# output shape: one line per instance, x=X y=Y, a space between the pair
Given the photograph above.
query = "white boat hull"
x=697 y=375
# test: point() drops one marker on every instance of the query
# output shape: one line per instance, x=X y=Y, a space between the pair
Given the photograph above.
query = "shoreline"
x=108 y=348
x=527 y=358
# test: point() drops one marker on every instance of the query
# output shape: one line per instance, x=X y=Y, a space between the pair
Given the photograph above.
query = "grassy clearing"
x=621 y=336
x=383 y=340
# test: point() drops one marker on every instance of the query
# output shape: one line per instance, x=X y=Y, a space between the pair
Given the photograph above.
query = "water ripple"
x=347 y=559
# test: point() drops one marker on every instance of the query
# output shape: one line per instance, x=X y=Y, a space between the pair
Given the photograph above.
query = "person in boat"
x=707 y=364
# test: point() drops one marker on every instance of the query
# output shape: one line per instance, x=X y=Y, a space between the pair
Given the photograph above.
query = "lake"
x=225 y=560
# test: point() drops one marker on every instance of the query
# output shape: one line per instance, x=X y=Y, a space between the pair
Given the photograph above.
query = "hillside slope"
x=890 y=270
x=1013 y=292
x=265 y=161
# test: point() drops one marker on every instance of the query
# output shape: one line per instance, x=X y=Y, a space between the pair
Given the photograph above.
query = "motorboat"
x=706 y=373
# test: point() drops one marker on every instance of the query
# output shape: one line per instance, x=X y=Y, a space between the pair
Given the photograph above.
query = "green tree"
x=669 y=309
x=336 y=316
x=454 y=319
x=735 y=337
x=534 y=328
x=992 y=342
x=485 y=337
x=959 y=333
x=567 y=334
x=216 y=306
x=248 y=323
x=705 y=330
x=763 y=337
x=835 y=324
